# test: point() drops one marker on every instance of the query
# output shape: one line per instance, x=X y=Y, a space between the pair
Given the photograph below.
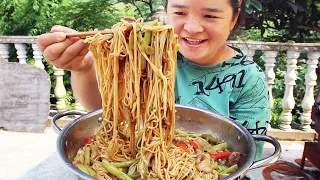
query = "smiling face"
x=203 y=26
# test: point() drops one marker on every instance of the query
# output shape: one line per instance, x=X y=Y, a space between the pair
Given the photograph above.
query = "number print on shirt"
x=235 y=88
x=234 y=80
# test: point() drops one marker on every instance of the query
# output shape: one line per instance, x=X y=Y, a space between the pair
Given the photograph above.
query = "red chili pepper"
x=126 y=31
x=182 y=146
x=194 y=145
x=220 y=155
x=89 y=141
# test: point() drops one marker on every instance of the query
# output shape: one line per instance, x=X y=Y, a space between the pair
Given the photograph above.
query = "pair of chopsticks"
x=83 y=35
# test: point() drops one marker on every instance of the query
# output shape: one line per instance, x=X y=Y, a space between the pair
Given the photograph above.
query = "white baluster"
x=270 y=60
x=4 y=51
x=78 y=106
x=37 y=56
x=308 y=99
x=60 y=91
x=251 y=53
x=160 y=15
x=288 y=102
x=21 y=52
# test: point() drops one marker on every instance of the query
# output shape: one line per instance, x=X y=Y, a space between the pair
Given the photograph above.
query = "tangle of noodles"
x=136 y=67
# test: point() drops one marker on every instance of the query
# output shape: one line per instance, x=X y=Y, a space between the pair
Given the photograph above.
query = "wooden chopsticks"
x=83 y=35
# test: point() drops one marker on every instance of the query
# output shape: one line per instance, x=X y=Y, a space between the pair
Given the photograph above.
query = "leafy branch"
x=140 y=8
x=297 y=20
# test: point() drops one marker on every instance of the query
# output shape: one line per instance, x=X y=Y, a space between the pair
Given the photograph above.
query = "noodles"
x=136 y=69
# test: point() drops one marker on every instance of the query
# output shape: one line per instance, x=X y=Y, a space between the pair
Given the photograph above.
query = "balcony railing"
x=270 y=52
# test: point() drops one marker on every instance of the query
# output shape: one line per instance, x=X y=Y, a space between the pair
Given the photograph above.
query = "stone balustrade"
x=293 y=51
x=21 y=43
x=270 y=52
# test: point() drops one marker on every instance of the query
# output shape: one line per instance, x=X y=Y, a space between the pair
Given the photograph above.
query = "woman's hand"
x=72 y=54
x=66 y=53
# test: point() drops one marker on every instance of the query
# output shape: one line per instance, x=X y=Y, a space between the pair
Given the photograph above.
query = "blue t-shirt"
x=236 y=88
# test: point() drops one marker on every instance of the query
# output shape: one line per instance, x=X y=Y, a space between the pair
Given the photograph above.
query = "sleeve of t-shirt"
x=252 y=106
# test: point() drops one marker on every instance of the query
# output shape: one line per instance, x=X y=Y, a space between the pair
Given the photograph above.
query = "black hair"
x=238 y=7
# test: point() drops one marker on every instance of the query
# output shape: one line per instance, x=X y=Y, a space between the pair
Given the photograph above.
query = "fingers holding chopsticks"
x=62 y=52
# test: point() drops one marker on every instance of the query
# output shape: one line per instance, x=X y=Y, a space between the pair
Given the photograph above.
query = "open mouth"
x=194 y=41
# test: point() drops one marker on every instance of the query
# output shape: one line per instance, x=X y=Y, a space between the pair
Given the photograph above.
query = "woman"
x=210 y=74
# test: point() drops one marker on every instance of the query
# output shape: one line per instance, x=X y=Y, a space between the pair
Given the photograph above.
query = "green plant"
x=276 y=113
x=251 y=5
x=278 y=88
x=285 y=20
x=69 y=99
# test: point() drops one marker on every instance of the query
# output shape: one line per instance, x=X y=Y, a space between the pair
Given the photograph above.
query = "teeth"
x=193 y=41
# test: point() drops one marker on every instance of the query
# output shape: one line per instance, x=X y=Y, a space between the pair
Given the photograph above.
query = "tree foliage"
x=285 y=20
x=146 y=8
x=23 y=17
x=32 y=17
x=277 y=20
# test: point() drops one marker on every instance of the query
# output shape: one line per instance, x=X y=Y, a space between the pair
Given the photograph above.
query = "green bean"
x=133 y=168
x=144 y=46
x=135 y=175
x=123 y=164
x=86 y=169
x=221 y=167
x=87 y=155
x=220 y=147
x=131 y=40
x=132 y=172
x=138 y=26
x=147 y=49
x=91 y=171
x=147 y=37
x=230 y=169
x=215 y=165
x=187 y=134
x=145 y=173
x=115 y=171
x=210 y=138
x=83 y=168
x=153 y=23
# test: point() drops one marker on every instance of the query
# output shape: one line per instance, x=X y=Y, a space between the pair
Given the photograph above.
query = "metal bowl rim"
x=249 y=161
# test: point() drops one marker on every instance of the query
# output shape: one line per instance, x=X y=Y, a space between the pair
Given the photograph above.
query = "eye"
x=180 y=13
x=210 y=16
